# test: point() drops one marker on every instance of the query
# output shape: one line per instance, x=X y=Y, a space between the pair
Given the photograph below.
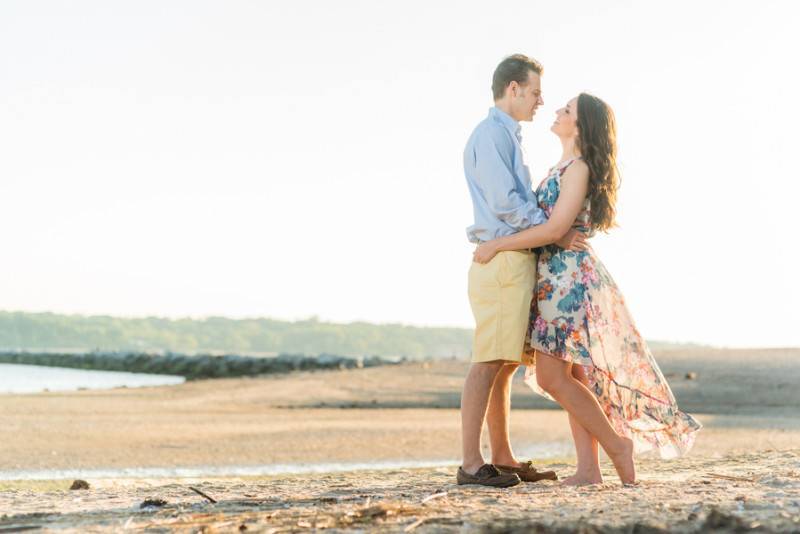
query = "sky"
x=299 y=159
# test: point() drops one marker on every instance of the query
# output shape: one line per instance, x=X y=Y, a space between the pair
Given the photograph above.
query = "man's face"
x=526 y=98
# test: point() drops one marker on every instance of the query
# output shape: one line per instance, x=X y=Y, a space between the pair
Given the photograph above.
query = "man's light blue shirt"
x=498 y=179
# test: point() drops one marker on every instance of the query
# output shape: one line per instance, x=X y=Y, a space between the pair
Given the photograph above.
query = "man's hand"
x=574 y=240
x=485 y=252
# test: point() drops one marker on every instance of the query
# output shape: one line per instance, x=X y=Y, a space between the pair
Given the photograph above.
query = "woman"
x=588 y=355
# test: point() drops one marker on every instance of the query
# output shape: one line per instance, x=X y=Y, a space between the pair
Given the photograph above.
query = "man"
x=500 y=291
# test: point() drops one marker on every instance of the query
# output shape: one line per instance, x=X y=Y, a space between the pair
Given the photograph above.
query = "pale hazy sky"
x=290 y=159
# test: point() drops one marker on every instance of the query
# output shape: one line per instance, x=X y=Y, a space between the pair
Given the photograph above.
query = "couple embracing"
x=541 y=298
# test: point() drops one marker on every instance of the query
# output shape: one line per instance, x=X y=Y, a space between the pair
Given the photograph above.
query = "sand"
x=759 y=491
x=403 y=415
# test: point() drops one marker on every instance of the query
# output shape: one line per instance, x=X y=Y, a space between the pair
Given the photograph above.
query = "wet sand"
x=408 y=414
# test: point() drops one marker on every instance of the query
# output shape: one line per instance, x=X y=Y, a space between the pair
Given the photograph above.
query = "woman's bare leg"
x=586 y=448
x=555 y=377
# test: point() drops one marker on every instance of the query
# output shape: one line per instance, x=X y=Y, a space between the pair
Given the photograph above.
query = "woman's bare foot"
x=583 y=479
x=623 y=462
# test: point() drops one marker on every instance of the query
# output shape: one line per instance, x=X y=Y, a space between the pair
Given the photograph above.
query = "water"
x=545 y=451
x=15 y=378
x=540 y=451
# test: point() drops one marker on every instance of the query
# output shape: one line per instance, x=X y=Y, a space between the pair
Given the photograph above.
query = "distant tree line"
x=50 y=331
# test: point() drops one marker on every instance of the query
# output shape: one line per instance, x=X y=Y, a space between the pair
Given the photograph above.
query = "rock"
x=79 y=485
x=329 y=360
x=716 y=520
x=691 y=375
x=153 y=503
x=197 y=366
x=647 y=528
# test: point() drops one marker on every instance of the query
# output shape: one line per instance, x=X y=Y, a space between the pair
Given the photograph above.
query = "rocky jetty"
x=196 y=366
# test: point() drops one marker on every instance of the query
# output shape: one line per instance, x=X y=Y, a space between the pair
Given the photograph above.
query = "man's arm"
x=494 y=174
x=492 y=153
x=574 y=186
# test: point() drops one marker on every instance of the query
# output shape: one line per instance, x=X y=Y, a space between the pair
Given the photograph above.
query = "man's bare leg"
x=498 y=416
x=474 y=401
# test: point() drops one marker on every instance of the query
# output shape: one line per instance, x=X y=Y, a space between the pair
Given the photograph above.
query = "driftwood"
x=729 y=477
x=415 y=524
x=434 y=496
x=197 y=491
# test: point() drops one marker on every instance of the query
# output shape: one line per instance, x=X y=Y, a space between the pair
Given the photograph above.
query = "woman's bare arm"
x=574 y=187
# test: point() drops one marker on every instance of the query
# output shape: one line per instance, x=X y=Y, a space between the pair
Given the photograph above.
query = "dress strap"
x=568 y=162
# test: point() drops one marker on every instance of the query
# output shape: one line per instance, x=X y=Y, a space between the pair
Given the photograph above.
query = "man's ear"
x=513 y=86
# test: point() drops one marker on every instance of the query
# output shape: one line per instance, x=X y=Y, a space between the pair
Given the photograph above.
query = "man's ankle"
x=508 y=461
x=472 y=467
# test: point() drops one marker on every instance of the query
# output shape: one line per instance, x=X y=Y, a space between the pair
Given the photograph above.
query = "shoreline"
x=306 y=441
x=219 y=471
x=560 y=452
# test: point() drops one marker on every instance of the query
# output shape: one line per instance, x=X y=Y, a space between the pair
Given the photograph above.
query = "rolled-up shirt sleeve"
x=495 y=177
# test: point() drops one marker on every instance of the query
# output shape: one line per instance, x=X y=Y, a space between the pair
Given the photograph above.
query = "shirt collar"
x=506 y=120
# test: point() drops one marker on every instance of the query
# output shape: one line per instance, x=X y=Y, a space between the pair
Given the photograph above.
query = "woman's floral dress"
x=579 y=315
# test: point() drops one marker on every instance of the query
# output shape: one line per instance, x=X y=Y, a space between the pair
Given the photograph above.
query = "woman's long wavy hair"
x=597 y=141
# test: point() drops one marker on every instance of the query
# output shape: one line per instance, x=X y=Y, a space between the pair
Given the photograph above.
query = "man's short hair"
x=513 y=69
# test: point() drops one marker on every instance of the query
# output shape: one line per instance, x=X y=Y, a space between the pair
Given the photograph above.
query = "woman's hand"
x=574 y=240
x=485 y=252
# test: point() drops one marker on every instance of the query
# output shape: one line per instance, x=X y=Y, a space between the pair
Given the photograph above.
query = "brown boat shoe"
x=527 y=473
x=488 y=475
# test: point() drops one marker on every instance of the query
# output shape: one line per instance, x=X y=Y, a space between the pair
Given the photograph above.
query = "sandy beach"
x=314 y=441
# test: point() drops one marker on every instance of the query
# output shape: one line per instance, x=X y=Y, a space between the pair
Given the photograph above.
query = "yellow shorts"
x=500 y=294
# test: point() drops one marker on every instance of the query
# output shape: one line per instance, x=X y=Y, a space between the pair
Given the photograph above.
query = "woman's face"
x=566 y=123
